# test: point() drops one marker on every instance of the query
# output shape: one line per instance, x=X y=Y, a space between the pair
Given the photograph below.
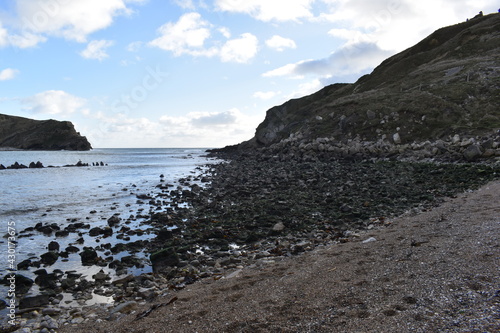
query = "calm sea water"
x=66 y=194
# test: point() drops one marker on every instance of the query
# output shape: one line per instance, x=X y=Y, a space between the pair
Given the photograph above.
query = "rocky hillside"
x=24 y=133
x=440 y=97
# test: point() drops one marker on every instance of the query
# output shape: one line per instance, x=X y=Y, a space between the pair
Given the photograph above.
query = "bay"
x=91 y=194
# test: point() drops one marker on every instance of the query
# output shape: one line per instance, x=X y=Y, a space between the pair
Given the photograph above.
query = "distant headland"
x=29 y=134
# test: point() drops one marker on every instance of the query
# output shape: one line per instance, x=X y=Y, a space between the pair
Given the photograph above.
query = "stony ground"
x=435 y=271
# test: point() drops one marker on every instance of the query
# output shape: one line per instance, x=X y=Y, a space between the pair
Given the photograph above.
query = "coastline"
x=429 y=272
x=258 y=212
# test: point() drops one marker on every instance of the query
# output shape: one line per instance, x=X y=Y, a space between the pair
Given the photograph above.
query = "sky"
x=195 y=73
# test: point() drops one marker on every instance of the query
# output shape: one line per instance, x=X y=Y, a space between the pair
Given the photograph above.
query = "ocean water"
x=91 y=195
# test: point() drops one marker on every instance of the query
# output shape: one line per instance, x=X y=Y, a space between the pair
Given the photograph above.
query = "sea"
x=63 y=194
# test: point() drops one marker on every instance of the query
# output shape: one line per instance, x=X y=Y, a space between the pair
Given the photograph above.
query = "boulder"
x=163 y=259
x=113 y=220
x=88 y=256
x=472 y=153
x=34 y=302
x=22 y=283
x=49 y=258
x=53 y=246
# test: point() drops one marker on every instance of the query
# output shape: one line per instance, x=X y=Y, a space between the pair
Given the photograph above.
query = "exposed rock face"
x=443 y=88
x=29 y=134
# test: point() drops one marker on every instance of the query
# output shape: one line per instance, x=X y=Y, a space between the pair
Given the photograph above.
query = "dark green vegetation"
x=29 y=134
x=446 y=85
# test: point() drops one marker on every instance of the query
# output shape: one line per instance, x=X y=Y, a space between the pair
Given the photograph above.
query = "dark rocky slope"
x=29 y=134
x=439 y=97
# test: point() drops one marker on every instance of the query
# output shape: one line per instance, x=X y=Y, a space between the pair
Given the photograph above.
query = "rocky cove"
x=250 y=209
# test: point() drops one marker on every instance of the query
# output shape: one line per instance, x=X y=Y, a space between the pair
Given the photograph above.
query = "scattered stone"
x=369 y=240
x=88 y=256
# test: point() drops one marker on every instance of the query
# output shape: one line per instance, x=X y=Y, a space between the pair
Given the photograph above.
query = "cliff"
x=29 y=134
x=441 y=93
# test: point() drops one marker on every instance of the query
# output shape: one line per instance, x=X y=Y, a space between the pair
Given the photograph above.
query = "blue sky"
x=172 y=73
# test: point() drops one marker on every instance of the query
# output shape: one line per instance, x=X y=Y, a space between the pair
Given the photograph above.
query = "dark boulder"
x=49 y=258
x=88 y=256
x=113 y=220
x=163 y=259
x=34 y=302
x=96 y=231
x=53 y=246
x=22 y=283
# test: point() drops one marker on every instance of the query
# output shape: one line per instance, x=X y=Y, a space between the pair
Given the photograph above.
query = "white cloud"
x=187 y=35
x=8 y=74
x=134 y=46
x=240 y=50
x=4 y=41
x=398 y=24
x=279 y=43
x=349 y=59
x=73 y=20
x=96 y=49
x=191 y=32
x=54 y=102
x=225 y=32
x=26 y=40
x=269 y=10
x=266 y=95
x=286 y=70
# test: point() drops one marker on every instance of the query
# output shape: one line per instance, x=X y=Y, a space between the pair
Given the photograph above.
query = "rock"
x=53 y=246
x=472 y=152
x=369 y=240
x=88 y=256
x=62 y=233
x=113 y=221
x=124 y=307
x=24 y=265
x=34 y=301
x=22 y=283
x=30 y=134
x=96 y=231
x=163 y=259
x=51 y=311
x=49 y=323
x=72 y=249
x=279 y=227
x=101 y=276
x=49 y=258
x=396 y=138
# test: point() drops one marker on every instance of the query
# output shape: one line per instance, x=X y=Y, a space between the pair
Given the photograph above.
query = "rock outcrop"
x=438 y=96
x=29 y=134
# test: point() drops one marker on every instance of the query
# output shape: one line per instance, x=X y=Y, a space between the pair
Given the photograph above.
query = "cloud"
x=190 y=34
x=265 y=10
x=134 y=46
x=349 y=59
x=8 y=74
x=187 y=35
x=279 y=43
x=240 y=50
x=4 y=40
x=72 y=20
x=54 y=102
x=398 y=24
x=204 y=119
x=96 y=49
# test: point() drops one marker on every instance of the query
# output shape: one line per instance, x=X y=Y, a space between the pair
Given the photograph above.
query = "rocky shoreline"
x=249 y=210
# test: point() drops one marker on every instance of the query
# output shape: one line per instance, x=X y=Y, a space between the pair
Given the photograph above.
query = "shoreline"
x=429 y=272
x=211 y=240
